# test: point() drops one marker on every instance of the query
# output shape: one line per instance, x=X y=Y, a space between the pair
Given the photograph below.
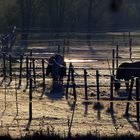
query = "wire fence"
x=27 y=70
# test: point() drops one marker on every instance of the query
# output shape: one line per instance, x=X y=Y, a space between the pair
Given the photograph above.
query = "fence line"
x=71 y=76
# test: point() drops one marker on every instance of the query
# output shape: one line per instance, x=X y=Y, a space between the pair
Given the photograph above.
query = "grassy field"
x=53 y=113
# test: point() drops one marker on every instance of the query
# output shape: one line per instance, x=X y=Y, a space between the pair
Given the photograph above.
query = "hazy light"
x=79 y=60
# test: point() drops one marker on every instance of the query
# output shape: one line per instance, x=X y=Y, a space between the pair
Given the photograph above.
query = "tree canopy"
x=70 y=15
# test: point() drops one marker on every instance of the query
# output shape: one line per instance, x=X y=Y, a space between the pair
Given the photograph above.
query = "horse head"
x=56 y=65
x=50 y=66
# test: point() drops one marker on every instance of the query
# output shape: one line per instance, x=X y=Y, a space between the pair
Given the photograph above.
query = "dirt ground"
x=54 y=112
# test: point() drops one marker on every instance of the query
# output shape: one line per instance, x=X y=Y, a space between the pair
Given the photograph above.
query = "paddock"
x=26 y=103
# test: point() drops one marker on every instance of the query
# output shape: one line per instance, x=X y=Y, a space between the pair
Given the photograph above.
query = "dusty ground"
x=53 y=111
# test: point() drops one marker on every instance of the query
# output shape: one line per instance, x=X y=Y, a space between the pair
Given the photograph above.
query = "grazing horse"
x=126 y=71
x=57 y=69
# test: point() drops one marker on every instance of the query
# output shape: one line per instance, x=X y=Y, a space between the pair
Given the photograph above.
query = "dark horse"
x=57 y=69
x=126 y=71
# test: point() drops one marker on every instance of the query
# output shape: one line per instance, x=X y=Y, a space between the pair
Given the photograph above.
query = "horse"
x=57 y=69
x=126 y=71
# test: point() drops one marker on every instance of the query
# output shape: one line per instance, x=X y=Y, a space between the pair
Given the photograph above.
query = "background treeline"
x=70 y=15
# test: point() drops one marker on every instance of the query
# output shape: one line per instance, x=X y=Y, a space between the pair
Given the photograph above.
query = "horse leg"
x=127 y=86
x=48 y=69
x=55 y=84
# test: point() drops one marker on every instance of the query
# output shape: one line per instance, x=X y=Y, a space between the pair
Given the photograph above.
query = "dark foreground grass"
x=40 y=136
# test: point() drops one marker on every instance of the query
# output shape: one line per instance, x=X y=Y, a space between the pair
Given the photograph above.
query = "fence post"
x=117 y=55
x=16 y=96
x=27 y=71
x=71 y=72
x=113 y=64
x=30 y=100
x=111 y=92
x=34 y=73
x=137 y=99
x=30 y=62
x=20 y=72
x=97 y=84
x=73 y=83
x=68 y=80
x=129 y=96
x=43 y=74
x=4 y=65
x=31 y=53
x=85 y=81
x=10 y=67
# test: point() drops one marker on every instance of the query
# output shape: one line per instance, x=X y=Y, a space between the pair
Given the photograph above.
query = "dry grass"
x=55 y=112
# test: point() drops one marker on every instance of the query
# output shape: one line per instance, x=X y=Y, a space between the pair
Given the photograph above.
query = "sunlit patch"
x=79 y=60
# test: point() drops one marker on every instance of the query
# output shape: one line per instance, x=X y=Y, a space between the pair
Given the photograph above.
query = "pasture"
x=52 y=110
